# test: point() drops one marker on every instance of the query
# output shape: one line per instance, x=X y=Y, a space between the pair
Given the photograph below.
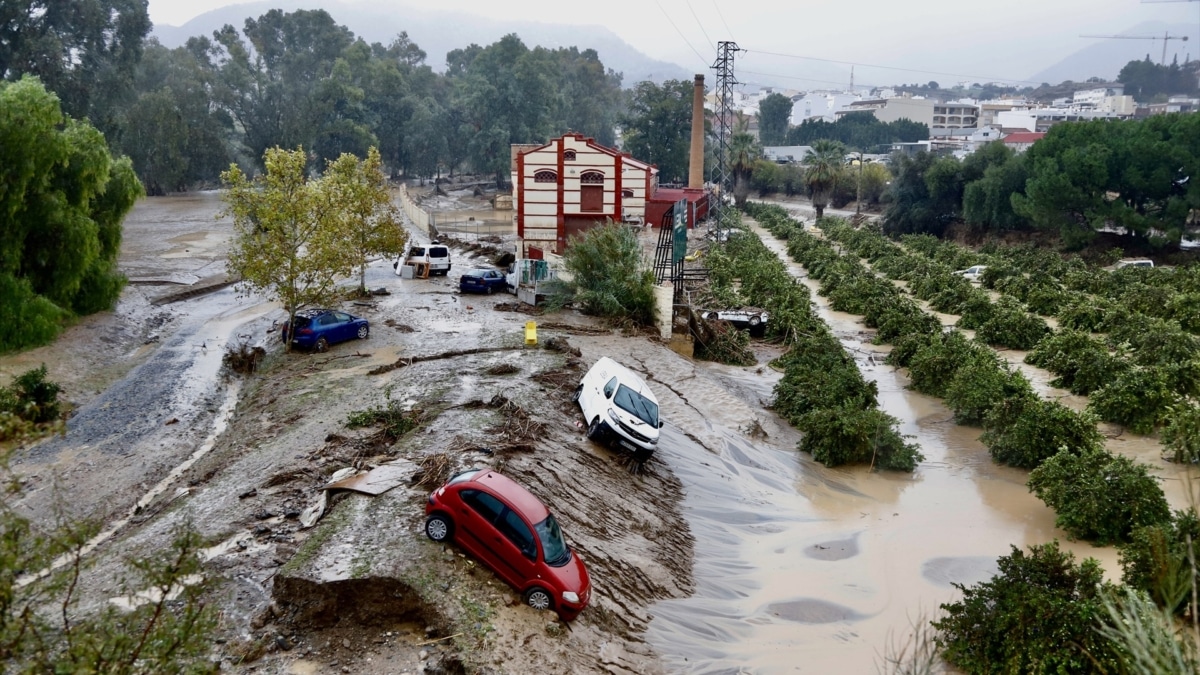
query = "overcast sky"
x=957 y=38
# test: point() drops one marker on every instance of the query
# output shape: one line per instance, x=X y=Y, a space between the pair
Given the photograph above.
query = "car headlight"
x=612 y=415
x=571 y=596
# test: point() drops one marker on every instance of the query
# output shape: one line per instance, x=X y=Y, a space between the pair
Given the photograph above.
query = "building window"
x=569 y=155
x=545 y=176
x=626 y=193
x=592 y=178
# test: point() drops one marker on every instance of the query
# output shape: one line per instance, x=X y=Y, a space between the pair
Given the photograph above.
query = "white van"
x=619 y=407
x=1134 y=263
x=436 y=256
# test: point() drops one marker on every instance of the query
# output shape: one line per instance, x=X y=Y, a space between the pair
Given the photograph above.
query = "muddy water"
x=800 y=568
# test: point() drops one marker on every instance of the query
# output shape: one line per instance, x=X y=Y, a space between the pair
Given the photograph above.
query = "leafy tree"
x=1156 y=560
x=657 y=127
x=372 y=221
x=1138 y=398
x=774 y=117
x=84 y=51
x=1082 y=363
x=911 y=209
x=743 y=153
x=988 y=201
x=852 y=435
x=1181 y=435
x=823 y=168
x=982 y=383
x=1145 y=79
x=1036 y=616
x=1011 y=326
x=610 y=277
x=61 y=209
x=289 y=232
x=1023 y=432
x=859 y=130
x=1099 y=496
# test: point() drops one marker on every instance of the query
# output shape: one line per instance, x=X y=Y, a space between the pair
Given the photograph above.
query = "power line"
x=689 y=44
x=710 y=42
x=723 y=22
x=802 y=79
x=909 y=70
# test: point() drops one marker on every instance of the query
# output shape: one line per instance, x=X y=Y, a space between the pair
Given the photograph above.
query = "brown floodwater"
x=802 y=568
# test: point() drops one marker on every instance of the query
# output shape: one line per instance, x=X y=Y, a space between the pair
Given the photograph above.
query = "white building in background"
x=822 y=105
x=1041 y=119
x=1095 y=98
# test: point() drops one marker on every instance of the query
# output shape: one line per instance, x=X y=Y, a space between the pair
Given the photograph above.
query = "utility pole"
x=725 y=84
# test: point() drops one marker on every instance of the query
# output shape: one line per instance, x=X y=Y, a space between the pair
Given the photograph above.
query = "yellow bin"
x=531 y=332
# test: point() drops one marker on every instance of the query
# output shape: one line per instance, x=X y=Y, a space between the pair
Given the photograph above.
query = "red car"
x=513 y=533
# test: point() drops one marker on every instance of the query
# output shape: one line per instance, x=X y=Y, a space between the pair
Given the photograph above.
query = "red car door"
x=519 y=548
x=475 y=525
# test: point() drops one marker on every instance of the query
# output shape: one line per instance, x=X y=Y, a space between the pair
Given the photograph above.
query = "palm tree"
x=743 y=152
x=823 y=168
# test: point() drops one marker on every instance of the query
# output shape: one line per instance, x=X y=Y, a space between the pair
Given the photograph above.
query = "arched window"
x=569 y=155
x=626 y=193
x=592 y=178
x=545 y=176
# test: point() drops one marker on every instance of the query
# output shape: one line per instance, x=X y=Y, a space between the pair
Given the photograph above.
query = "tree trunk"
x=741 y=190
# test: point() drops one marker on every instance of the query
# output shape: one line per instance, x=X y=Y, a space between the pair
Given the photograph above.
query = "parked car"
x=1133 y=263
x=510 y=531
x=316 y=329
x=619 y=408
x=974 y=273
x=482 y=281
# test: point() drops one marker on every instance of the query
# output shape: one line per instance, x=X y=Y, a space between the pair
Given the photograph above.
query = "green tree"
x=61 y=209
x=743 y=153
x=774 y=116
x=1037 y=616
x=85 y=51
x=610 y=277
x=657 y=127
x=371 y=219
x=1099 y=496
x=1156 y=560
x=289 y=232
x=823 y=168
x=1024 y=431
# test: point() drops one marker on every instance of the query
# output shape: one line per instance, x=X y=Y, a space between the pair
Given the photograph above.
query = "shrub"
x=975 y=311
x=1023 y=432
x=611 y=279
x=1146 y=637
x=32 y=397
x=981 y=384
x=900 y=319
x=851 y=435
x=1181 y=435
x=936 y=362
x=1011 y=326
x=1099 y=496
x=951 y=297
x=1084 y=313
x=1081 y=362
x=1155 y=560
x=1037 y=616
x=29 y=319
x=1138 y=398
x=818 y=376
x=1045 y=300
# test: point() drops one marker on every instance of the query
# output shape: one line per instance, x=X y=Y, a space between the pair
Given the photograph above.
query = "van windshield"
x=632 y=402
x=554 y=547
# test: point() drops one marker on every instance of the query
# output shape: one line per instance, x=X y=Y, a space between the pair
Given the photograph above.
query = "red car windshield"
x=554 y=547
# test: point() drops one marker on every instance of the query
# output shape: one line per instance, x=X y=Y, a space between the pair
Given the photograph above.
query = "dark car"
x=318 y=328
x=510 y=531
x=482 y=281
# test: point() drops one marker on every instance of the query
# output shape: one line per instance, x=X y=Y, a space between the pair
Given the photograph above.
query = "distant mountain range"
x=438 y=32
x=1104 y=58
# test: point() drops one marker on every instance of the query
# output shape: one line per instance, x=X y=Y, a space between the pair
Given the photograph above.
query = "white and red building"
x=572 y=183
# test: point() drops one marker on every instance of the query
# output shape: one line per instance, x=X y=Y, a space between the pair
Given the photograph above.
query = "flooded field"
x=794 y=567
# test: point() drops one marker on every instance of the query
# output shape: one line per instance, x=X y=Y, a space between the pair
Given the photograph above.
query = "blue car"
x=316 y=329
x=482 y=281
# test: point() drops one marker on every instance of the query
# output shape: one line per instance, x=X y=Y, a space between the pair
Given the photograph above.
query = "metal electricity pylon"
x=724 y=91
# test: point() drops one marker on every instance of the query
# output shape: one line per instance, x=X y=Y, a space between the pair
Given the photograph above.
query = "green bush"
x=610 y=276
x=1045 y=300
x=934 y=364
x=1023 y=432
x=981 y=384
x=30 y=320
x=1084 y=313
x=1081 y=362
x=816 y=378
x=1036 y=617
x=975 y=311
x=32 y=397
x=1138 y=399
x=899 y=319
x=1099 y=496
x=1181 y=435
x=852 y=435
x=1011 y=326
x=1155 y=560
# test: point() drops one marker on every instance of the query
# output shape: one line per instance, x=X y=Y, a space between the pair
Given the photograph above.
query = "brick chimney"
x=696 y=159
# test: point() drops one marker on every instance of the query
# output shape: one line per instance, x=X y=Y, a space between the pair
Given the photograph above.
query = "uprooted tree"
x=610 y=278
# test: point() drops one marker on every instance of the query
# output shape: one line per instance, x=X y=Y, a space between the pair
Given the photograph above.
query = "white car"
x=435 y=256
x=974 y=273
x=619 y=407
x=1133 y=263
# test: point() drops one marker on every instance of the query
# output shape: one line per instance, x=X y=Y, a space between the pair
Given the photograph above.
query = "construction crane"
x=1164 y=38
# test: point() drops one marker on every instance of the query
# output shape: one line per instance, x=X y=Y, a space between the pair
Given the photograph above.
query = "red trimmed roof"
x=1024 y=137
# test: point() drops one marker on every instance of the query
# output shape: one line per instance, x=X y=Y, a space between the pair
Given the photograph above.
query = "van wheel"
x=577 y=394
x=593 y=431
x=538 y=598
